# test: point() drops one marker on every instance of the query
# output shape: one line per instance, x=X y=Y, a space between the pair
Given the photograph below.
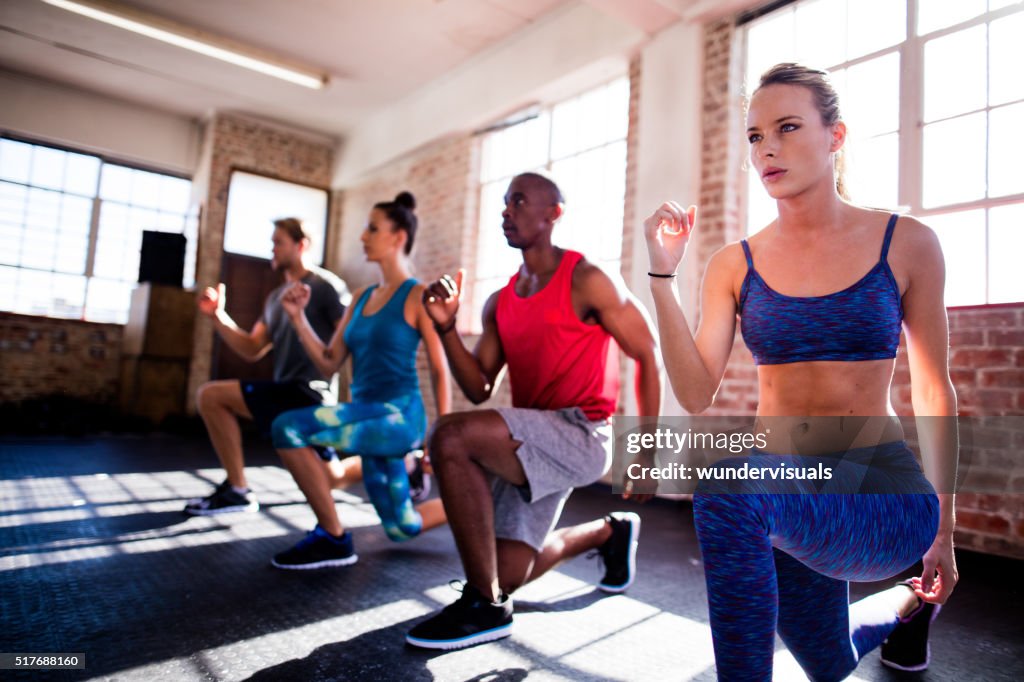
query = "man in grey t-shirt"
x=297 y=382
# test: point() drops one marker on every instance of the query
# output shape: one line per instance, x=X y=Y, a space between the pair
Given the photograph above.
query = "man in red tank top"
x=505 y=473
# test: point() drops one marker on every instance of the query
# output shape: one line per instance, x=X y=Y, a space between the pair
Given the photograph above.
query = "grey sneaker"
x=223 y=500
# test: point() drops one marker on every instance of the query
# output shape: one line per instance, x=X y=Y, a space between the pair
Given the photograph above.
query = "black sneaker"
x=319 y=549
x=619 y=552
x=419 y=480
x=906 y=647
x=223 y=500
x=470 y=620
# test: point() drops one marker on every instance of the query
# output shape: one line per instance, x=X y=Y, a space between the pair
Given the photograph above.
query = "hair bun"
x=406 y=199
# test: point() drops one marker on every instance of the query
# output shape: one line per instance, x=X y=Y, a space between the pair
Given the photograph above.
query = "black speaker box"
x=163 y=258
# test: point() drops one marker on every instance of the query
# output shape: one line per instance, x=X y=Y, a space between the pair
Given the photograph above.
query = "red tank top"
x=554 y=359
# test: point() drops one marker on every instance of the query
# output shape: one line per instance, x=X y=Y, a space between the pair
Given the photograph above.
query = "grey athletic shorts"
x=561 y=450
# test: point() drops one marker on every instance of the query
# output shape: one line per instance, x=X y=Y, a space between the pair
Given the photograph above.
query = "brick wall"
x=986 y=343
x=42 y=356
x=237 y=142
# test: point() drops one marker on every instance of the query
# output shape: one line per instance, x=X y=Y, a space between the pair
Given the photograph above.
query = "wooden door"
x=247 y=281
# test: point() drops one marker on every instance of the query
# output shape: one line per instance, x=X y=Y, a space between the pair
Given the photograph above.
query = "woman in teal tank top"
x=386 y=418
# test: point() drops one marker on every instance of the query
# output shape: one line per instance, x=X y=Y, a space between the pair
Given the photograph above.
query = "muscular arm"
x=620 y=315
x=440 y=377
x=327 y=358
x=695 y=363
x=251 y=345
x=477 y=372
x=934 y=400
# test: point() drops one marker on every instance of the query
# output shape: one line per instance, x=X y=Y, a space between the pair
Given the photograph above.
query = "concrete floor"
x=96 y=557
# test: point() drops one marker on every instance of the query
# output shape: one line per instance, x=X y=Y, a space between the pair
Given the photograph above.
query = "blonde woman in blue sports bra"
x=822 y=294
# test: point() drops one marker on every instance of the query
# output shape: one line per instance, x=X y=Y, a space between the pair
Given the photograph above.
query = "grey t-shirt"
x=328 y=297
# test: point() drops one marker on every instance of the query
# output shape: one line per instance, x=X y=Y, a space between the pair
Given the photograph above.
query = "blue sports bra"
x=861 y=322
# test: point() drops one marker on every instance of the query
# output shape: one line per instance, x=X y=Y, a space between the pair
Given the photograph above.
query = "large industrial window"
x=581 y=144
x=933 y=98
x=71 y=230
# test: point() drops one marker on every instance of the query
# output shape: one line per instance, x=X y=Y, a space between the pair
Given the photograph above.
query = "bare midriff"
x=826 y=407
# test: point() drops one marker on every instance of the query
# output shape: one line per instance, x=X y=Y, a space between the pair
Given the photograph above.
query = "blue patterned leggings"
x=381 y=433
x=778 y=555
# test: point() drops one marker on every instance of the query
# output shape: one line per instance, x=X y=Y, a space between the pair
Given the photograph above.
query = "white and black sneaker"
x=223 y=500
x=619 y=552
x=472 y=619
x=319 y=549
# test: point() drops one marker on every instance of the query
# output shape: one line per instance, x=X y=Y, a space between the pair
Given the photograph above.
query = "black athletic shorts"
x=267 y=399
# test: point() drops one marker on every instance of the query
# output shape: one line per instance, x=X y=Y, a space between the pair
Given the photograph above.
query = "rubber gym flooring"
x=97 y=558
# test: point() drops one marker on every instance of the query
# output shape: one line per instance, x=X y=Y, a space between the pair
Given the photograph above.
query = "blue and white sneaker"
x=319 y=549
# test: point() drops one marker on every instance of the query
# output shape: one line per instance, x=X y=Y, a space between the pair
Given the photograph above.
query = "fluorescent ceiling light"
x=193 y=39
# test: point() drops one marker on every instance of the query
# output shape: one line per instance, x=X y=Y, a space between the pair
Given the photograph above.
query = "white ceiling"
x=376 y=51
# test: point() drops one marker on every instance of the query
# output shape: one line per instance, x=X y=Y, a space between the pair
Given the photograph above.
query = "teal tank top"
x=383 y=348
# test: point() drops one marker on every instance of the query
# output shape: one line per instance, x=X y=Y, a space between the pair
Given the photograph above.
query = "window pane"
x=935 y=14
x=32 y=292
x=81 y=175
x=255 y=201
x=872 y=25
x=175 y=194
x=1006 y=54
x=108 y=301
x=15 y=160
x=593 y=226
x=47 y=167
x=116 y=184
x=565 y=125
x=954 y=160
x=68 y=296
x=814 y=46
x=872 y=171
x=770 y=41
x=870 y=96
x=962 y=236
x=510 y=151
x=952 y=65
x=1006 y=148
x=145 y=189
x=12 y=203
x=110 y=241
x=191 y=237
x=1005 y=246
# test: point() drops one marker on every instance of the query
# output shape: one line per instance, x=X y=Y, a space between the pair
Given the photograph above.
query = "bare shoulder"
x=727 y=267
x=358 y=293
x=914 y=244
x=594 y=283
